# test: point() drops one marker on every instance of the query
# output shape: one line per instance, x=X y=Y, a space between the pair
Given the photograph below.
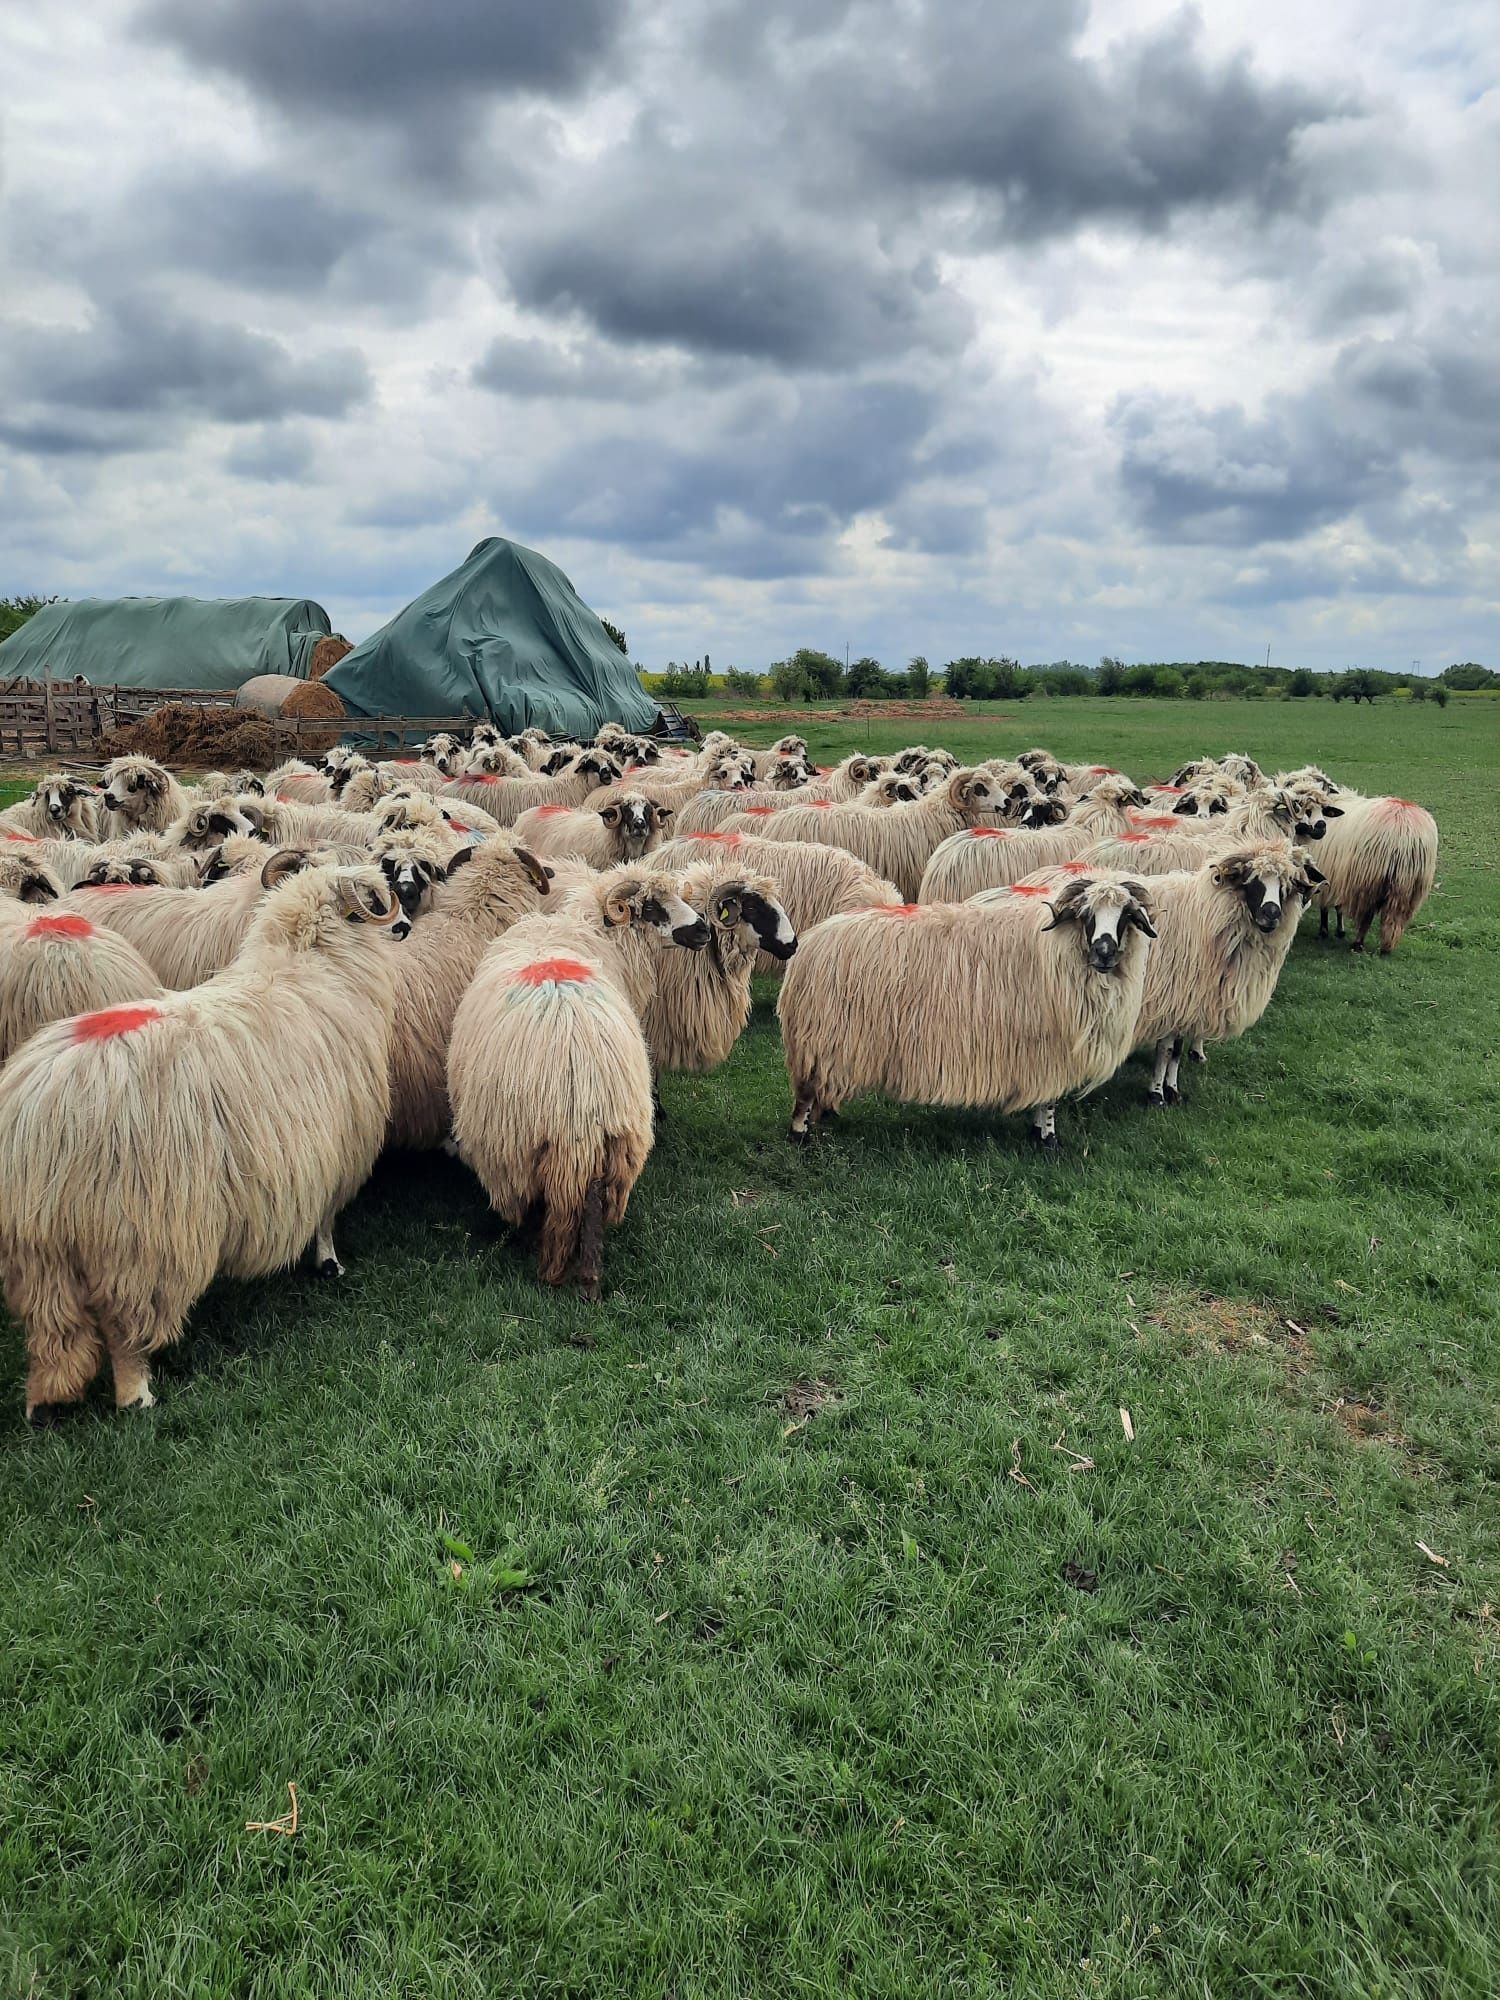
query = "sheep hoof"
x=588 y=1291
x=1171 y=1094
x=330 y=1267
x=1356 y=946
x=1198 y=1055
x=1045 y=1142
x=1155 y=1101
x=799 y=1138
x=47 y=1416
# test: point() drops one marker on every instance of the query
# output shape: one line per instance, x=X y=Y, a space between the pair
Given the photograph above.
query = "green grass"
x=736 y=1699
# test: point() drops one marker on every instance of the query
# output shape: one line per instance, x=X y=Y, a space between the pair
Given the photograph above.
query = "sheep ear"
x=459 y=860
x=617 y=910
x=1232 y=874
x=1308 y=880
x=1138 y=910
x=285 y=862
x=38 y=889
x=541 y=875
x=1333 y=812
x=663 y=814
x=727 y=910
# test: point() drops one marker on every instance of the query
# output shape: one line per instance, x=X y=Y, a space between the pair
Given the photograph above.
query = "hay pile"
x=183 y=733
x=327 y=653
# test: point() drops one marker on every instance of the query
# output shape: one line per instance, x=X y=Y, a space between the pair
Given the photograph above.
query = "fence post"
x=47 y=694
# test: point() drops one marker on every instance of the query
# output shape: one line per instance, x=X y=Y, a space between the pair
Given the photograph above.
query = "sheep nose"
x=1318 y=830
x=1103 y=952
x=401 y=928
x=1268 y=916
x=693 y=936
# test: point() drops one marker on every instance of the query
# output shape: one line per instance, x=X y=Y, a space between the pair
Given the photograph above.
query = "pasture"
x=802 y=1620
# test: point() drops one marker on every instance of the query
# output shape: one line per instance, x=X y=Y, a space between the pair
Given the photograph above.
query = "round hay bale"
x=327 y=653
x=314 y=701
x=284 y=694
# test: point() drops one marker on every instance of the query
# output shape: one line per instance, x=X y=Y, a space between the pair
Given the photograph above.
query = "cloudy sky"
x=925 y=325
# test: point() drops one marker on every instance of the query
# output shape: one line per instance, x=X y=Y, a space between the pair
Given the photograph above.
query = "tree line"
x=810 y=675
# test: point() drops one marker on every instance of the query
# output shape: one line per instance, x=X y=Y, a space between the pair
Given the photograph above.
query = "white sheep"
x=1379 y=856
x=139 y=796
x=1011 y=1002
x=25 y=876
x=186 y=935
x=812 y=882
x=978 y=858
x=59 y=808
x=701 y=1000
x=505 y=799
x=625 y=829
x=898 y=842
x=192 y=1134
x=53 y=965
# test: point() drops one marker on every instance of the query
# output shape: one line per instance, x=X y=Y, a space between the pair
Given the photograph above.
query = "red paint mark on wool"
x=112 y=1021
x=457 y=826
x=110 y=888
x=1135 y=839
x=1030 y=889
x=1155 y=819
x=1075 y=868
x=551 y=812
x=1175 y=791
x=895 y=910
x=285 y=799
x=1403 y=806
x=730 y=840
x=1104 y=770
x=989 y=833
x=554 y=972
x=823 y=805
x=760 y=812
x=825 y=770
x=406 y=763
x=30 y=839
x=73 y=927
x=481 y=778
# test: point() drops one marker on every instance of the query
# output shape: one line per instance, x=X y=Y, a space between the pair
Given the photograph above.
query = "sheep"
x=139 y=796
x=552 y=1102
x=812 y=882
x=624 y=830
x=1011 y=1002
x=550 y=760
x=702 y=998
x=442 y=751
x=1280 y=812
x=192 y=1134
x=117 y=864
x=1309 y=774
x=375 y=782
x=54 y=966
x=480 y=894
x=297 y=783
x=1242 y=769
x=1380 y=859
x=787 y=752
x=706 y=811
x=899 y=842
x=978 y=858
x=727 y=770
x=24 y=878
x=1080 y=779
x=60 y=808
x=1224 y=934
x=548 y=1071
x=623 y=918
x=1150 y=851
x=492 y=760
x=340 y=764
x=1208 y=796
x=186 y=935
x=505 y=799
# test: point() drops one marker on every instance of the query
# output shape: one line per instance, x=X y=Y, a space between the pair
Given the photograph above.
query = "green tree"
x=617 y=635
x=14 y=611
x=1111 y=676
x=918 y=678
x=1302 y=683
x=1439 y=694
x=867 y=680
x=738 y=681
x=1467 y=677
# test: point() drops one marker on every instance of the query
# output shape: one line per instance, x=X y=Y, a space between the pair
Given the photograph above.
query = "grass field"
x=793 y=1650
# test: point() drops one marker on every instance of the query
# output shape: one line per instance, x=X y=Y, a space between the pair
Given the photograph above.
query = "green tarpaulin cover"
x=166 y=642
x=506 y=636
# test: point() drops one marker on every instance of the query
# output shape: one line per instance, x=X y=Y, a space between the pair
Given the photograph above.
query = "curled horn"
x=1064 y=905
x=540 y=874
x=352 y=900
x=285 y=862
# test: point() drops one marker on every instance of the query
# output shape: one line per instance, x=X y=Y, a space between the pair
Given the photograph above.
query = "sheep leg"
x=1196 y=1050
x=804 y=1115
x=1323 y=924
x=591 y=1242
x=1364 y=926
x=1170 y=1091
x=325 y=1257
x=1339 y=913
x=65 y=1352
x=1044 y=1127
x=1156 y=1095
x=658 y=1109
x=132 y=1372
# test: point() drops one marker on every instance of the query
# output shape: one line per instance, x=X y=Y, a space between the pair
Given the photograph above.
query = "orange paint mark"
x=73 y=927
x=1104 y=770
x=1174 y=791
x=895 y=910
x=823 y=805
x=730 y=840
x=1135 y=839
x=480 y=778
x=551 y=812
x=1075 y=867
x=760 y=812
x=30 y=839
x=554 y=972
x=989 y=833
x=1030 y=889
x=112 y=1021
x=1155 y=819
x=1405 y=805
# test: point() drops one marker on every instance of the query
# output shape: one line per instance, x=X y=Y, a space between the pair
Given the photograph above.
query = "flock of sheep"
x=220 y=1002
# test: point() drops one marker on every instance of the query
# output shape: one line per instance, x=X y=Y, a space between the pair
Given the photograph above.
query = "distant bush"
x=1302 y=683
x=738 y=681
x=1468 y=677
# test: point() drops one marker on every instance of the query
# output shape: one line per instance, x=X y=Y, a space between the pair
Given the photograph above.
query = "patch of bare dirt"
x=809 y=1398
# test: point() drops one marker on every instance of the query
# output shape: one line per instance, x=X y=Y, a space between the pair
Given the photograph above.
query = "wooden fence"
x=57 y=718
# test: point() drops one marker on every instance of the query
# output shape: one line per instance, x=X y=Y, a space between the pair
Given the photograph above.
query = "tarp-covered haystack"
x=505 y=636
x=166 y=642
